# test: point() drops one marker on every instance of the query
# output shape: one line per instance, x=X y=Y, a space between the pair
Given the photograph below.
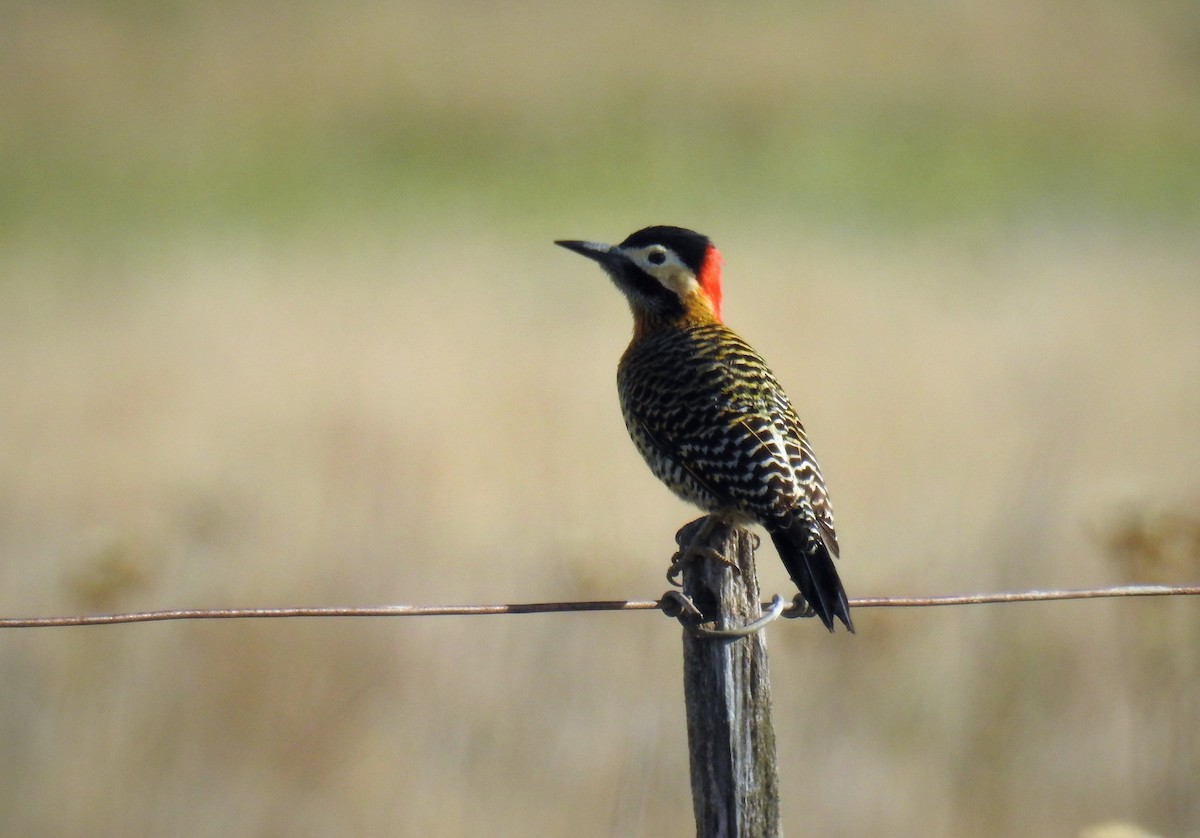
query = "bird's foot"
x=691 y=538
x=693 y=552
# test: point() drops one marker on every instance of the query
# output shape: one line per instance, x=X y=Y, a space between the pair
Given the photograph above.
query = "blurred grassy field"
x=281 y=323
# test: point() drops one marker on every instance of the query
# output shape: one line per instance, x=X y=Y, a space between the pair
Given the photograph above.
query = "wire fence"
x=665 y=603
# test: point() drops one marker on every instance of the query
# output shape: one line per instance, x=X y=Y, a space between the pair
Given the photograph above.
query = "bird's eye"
x=656 y=257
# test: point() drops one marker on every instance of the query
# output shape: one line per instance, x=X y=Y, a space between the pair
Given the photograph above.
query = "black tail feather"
x=809 y=562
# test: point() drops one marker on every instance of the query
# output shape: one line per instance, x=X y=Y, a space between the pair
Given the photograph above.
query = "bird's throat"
x=697 y=310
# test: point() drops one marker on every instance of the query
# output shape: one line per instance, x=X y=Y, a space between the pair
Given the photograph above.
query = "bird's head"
x=665 y=272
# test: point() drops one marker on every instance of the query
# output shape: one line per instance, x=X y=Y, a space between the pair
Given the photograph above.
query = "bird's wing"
x=810 y=481
x=738 y=437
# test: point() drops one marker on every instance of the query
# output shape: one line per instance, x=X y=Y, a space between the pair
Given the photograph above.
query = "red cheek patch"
x=710 y=278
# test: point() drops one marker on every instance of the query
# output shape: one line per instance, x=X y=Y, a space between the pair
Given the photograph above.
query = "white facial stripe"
x=670 y=271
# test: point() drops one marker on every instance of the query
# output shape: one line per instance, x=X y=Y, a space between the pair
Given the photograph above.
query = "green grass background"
x=281 y=323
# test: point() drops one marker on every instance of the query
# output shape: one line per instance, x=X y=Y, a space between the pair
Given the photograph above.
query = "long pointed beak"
x=605 y=254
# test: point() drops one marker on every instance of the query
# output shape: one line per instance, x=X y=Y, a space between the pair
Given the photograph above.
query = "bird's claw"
x=675 y=571
x=692 y=553
x=689 y=539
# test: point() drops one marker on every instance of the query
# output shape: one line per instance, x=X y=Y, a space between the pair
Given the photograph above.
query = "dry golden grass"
x=221 y=425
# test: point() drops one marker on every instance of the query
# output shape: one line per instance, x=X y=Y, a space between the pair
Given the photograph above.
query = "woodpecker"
x=706 y=412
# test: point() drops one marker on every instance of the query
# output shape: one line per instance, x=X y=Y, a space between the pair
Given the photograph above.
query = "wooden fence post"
x=731 y=736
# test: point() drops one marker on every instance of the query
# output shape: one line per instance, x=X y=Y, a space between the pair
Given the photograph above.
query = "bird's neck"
x=697 y=310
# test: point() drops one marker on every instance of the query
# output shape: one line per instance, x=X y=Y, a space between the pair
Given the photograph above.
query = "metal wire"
x=556 y=607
